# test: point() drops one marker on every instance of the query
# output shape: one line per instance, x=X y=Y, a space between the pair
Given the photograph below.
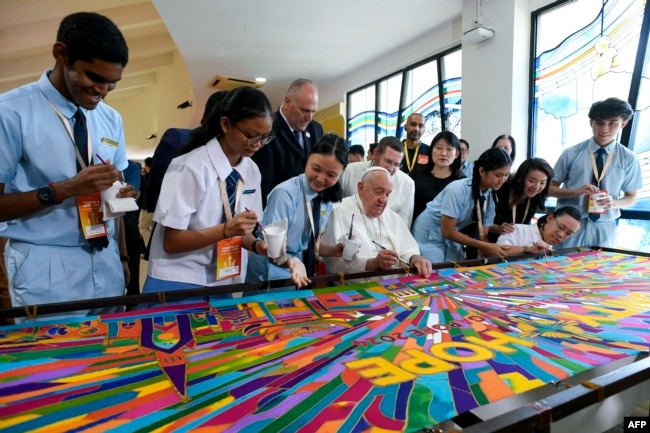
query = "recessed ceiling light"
x=260 y=79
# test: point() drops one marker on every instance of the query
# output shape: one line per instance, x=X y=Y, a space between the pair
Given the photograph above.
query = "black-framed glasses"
x=252 y=141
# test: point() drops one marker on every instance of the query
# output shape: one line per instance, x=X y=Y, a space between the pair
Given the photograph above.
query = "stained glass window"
x=587 y=51
x=381 y=108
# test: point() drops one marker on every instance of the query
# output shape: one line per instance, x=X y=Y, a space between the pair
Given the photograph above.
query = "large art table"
x=401 y=355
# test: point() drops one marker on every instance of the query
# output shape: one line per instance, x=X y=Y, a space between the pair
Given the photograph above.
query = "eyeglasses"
x=252 y=141
x=391 y=162
x=562 y=228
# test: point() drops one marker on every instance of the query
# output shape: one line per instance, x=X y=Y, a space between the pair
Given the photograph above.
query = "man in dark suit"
x=295 y=133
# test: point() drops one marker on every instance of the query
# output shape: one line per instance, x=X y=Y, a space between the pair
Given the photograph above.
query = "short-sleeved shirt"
x=427 y=187
x=190 y=199
x=36 y=149
x=574 y=169
x=287 y=202
x=455 y=201
x=524 y=235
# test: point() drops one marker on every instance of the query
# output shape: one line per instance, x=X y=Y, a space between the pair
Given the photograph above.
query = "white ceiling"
x=279 y=40
x=284 y=39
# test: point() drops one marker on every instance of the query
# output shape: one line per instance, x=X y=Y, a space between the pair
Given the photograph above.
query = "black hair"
x=88 y=36
x=147 y=161
x=332 y=144
x=389 y=141
x=610 y=108
x=517 y=183
x=452 y=139
x=491 y=159
x=213 y=101
x=513 y=147
x=564 y=210
x=358 y=149
x=372 y=146
x=462 y=140
x=239 y=104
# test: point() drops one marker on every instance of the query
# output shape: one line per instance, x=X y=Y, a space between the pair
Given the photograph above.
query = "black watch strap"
x=46 y=195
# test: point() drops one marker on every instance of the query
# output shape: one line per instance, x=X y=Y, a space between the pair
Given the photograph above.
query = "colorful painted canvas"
x=397 y=356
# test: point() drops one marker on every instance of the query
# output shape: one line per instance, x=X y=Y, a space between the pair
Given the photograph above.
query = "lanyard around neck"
x=605 y=165
x=411 y=163
x=514 y=212
x=66 y=124
x=479 y=216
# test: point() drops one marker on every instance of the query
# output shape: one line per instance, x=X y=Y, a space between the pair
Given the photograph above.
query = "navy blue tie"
x=81 y=136
x=80 y=132
x=231 y=189
x=298 y=136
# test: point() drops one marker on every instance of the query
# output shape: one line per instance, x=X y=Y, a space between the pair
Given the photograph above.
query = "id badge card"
x=90 y=215
x=229 y=258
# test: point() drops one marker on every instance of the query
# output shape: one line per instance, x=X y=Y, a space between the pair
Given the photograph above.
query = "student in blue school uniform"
x=314 y=191
x=599 y=165
x=210 y=199
x=441 y=230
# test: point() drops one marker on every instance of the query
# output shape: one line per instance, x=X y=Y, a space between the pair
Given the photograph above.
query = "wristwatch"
x=47 y=195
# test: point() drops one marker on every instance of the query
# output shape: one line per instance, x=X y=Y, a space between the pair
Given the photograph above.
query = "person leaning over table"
x=305 y=202
x=462 y=213
x=210 y=199
x=375 y=226
x=550 y=229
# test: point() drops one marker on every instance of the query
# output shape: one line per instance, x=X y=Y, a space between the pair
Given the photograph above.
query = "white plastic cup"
x=595 y=207
x=274 y=238
x=350 y=249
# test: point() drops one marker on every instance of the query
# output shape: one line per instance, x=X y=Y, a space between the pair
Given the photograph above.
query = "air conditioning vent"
x=221 y=82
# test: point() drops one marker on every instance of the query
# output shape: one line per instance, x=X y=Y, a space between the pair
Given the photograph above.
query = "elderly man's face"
x=299 y=108
x=374 y=192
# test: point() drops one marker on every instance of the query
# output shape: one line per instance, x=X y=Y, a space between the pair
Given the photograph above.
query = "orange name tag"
x=423 y=159
x=229 y=258
x=90 y=215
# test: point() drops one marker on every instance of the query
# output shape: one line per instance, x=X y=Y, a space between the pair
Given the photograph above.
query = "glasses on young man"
x=392 y=163
x=252 y=141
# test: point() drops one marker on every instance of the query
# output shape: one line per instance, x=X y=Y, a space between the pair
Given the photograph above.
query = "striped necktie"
x=231 y=189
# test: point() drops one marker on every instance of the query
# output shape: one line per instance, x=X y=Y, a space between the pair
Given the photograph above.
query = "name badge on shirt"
x=423 y=159
x=110 y=142
x=229 y=258
x=249 y=191
x=90 y=215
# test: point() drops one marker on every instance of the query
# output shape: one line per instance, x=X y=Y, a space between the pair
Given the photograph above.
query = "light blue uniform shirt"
x=36 y=149
x=574 y=169
x=455 y=201
x=47 y=258
x=287 y=201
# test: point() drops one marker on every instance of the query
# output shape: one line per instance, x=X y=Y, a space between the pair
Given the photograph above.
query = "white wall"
x=495 y=71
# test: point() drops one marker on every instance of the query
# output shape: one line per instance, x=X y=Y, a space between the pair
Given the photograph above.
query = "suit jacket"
x=284 y=158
